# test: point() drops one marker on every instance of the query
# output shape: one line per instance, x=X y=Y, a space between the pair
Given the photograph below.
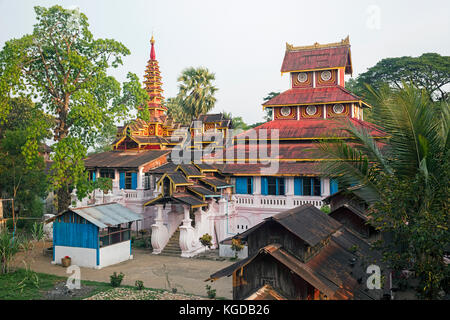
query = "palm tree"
x=175 y=110
x=196 y=92
x=405 y=179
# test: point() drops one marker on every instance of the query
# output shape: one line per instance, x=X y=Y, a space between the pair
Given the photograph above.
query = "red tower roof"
x=318 y=56
x=299 y=96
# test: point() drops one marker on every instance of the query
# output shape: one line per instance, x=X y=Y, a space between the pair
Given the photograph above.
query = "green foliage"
x=30 y=279
x=326 y=209
x=63 y=65
x=37 y=231
x=196 y=92
x=205 y=240
x=139 y=284
x=210 y=292
x=403 y=181
x=430 y=72
x=269 y=111
x=116 y=279
x=22 y=175
x=8 y=249
x=176 y=111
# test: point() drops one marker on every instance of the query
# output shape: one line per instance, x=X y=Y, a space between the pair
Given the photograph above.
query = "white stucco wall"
x=82 y=257
x=115 y=253
x=226 y=251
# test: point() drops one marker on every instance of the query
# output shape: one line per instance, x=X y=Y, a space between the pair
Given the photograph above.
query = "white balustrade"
x=273 y=202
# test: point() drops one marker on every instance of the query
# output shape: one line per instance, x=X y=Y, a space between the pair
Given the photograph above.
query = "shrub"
x=236 y=246
x=116 y=279
x=37 y=231
x=325 y=209
x=139 y=285
x=205 y=240
x=210 y=292
x=8 y=249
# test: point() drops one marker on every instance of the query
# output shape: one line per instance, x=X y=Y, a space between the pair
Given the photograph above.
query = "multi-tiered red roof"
x=153 y=80
x=317 y=56
x=317 y=107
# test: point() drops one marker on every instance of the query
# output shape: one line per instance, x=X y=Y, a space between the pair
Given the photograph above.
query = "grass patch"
x=11 y=290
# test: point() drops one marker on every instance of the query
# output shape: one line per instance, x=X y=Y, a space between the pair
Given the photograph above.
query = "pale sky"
x=243 y=42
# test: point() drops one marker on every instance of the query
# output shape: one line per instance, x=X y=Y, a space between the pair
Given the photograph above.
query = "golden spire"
x=152 y=41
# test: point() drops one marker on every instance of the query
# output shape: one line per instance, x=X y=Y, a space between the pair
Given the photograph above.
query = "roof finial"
x=152 y=52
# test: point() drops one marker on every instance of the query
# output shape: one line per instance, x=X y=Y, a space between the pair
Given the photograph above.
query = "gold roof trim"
x=343 y=42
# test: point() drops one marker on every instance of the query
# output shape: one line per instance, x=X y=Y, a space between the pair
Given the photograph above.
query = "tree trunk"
x=64 y=198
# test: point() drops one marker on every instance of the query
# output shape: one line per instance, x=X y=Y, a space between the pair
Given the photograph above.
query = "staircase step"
x=172 y=247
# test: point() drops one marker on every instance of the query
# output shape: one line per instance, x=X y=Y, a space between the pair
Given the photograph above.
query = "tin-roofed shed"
x=95 y=236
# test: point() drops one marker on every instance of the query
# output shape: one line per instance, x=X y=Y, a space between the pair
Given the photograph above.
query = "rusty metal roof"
x=337 y=270
x=306 y=222
x=105 y=215
x=266 y=292
x=123 y=159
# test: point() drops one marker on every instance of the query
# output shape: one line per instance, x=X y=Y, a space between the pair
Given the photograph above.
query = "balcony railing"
x=282 y=202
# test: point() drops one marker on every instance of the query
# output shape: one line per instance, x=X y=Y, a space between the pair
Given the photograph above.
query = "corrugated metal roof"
x=107 y=215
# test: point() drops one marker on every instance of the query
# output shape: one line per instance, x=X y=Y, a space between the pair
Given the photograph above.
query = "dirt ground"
x=161 y=272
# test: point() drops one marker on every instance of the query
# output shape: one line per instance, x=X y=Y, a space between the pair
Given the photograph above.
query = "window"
x=107 y=173
x=268 y=280
x=92 y=174
x=334 y=187
x=272 y=186
x=128 y=180
x=244 y=185
x=147 y=181
x=307 y=186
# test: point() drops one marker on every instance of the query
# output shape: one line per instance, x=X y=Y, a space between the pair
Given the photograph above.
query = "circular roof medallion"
x=338 y=108
x=302 y=77
x=285 y=111
x=311 y=110
x=325 y=75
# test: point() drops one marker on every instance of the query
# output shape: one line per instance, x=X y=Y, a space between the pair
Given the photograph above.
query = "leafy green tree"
x=196 y=91
x=270 y=96
x=22 y=174
x=63 y=66
x=430 y=72
x=402 y=179
x=175 y=110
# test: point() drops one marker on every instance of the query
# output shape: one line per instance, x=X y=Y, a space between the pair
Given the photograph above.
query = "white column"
x=289 y=183
x=256 y=185
x=160 y=234
x=325 y=187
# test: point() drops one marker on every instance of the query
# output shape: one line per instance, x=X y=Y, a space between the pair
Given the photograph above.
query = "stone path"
x=132 y=294
x=160 y=272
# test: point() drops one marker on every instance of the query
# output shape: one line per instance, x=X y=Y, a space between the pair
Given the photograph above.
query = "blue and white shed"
x=95 y=236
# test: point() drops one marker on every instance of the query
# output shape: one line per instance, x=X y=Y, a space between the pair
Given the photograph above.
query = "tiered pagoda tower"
x=156 y=133
x=153 y=86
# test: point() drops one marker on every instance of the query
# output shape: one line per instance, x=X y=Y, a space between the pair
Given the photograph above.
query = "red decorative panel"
x=338 y=110
x=326 y=78
x=159 y=131
x=151 y=130
x=209 y=126
x=302 y=79
x=307 y=112
x=289 y=113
